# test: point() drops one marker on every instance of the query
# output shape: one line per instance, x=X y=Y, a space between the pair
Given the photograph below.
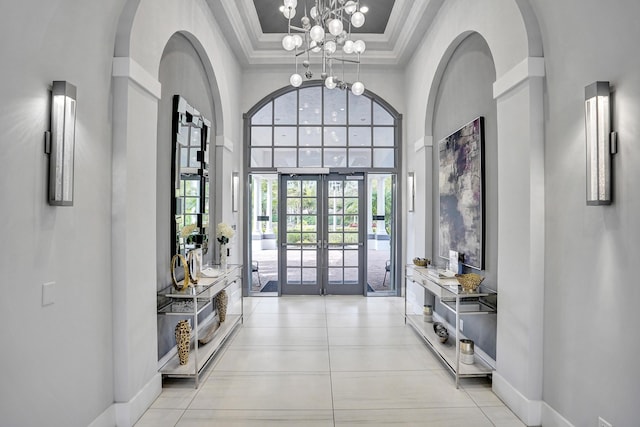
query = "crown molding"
x=407 y=23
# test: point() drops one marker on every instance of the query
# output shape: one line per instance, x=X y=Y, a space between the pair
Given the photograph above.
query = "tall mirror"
x=190 y=178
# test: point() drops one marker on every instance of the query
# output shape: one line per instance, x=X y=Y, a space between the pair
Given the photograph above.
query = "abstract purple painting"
x=461 y=193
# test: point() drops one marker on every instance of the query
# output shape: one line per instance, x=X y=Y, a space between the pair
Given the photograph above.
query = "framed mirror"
x=190 y=178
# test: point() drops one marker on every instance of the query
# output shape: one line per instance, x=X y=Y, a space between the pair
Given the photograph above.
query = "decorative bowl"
x=441 y=332
x=421 y=262
x=469 y=281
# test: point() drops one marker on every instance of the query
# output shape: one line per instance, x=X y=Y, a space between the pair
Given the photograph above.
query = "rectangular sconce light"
x=60 y=142
x=235 y=191
x=601 y=143
x=411 y=191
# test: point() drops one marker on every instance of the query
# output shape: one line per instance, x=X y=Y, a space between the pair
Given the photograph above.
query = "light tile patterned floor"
x=326 y=361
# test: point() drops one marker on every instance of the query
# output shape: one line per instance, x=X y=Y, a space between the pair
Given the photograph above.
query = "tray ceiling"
x=272 y=20
x=392 y=29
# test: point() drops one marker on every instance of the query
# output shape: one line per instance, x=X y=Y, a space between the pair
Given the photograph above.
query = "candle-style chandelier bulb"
x=357 y=88
x=350 y=7
x=357 y=19
x=335 y=27
x=295 y=80
x=289 y=12
x=316 y=33
x=288 y=43
x=330 y=83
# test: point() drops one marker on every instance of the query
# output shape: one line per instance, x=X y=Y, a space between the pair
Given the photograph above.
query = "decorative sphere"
x=330 y=47
x=290 y=3
x=306 y=22
x=357 y=88
x=348 y=46
x=357 y=19
x=330 y=83
x=308 y=74
x=359 y=46
x=297 y=40
x=316 y=33
x=335 y=27
x=314 y=12
x=295 y=80
x=306 y=63
x=350 y=7
x=288 y=43
x=289 y=12
x=341 y=37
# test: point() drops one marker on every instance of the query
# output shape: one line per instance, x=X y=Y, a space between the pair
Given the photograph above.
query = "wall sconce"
x=235 y=191
x=60 y=142
x=411 y=191
x=601 y=143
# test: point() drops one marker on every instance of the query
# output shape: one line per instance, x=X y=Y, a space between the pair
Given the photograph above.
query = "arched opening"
x=181 y=191
x=323 y=167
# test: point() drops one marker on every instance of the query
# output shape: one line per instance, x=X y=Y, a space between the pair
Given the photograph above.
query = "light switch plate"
x=48 y=293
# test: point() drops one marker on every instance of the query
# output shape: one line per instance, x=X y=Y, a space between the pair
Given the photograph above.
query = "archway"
x=514 y=41
x=144 y=30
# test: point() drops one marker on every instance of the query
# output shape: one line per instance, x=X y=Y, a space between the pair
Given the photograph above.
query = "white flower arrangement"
x=224 y=233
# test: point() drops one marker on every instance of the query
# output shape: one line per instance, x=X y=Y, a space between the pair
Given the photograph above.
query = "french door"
x=322 y=234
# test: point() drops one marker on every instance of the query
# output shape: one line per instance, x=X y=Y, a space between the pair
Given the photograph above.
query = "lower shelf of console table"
x=199 y=359
x=447 y=351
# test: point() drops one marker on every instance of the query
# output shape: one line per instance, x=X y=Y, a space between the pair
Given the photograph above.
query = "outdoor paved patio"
x=376 y=260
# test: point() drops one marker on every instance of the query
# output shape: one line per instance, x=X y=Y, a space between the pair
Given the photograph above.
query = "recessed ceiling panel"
x=272 y=20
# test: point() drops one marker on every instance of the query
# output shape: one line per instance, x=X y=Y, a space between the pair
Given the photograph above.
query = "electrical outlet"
x=604 y=423
x=461 y=325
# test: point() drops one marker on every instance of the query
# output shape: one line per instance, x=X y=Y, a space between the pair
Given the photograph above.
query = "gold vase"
x=183 y=340
x=222 y=299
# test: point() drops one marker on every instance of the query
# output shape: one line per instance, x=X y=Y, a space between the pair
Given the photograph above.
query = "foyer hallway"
x=326 y=361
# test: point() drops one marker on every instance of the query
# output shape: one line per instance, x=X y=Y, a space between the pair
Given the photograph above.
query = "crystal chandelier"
x=326 y=31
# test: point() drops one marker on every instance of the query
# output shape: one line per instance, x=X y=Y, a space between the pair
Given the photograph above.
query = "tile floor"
x=326 y=361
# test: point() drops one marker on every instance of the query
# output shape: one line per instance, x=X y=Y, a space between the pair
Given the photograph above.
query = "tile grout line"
x=326 y=325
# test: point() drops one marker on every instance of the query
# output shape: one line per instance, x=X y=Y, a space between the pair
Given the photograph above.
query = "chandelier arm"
x=293 y=27
x=351 y=61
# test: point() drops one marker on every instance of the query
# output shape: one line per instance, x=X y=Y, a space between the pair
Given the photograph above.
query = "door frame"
x=322 y=244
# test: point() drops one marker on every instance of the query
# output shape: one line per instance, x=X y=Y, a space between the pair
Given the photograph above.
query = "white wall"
x=57 y=360
x=591 y=290
x=258 y=83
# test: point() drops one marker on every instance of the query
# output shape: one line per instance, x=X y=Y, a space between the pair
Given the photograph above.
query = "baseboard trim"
x=125 y=414
x=552 y=418
x=529 y=411
x=106 y=419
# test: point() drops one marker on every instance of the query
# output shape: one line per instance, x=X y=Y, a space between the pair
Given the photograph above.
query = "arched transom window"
x=313 y=126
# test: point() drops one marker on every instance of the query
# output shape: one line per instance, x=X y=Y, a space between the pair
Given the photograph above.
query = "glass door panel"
x=345 y=239
x=324 y=242
x=264 y=278
x=301 y=245
x=380 y=230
